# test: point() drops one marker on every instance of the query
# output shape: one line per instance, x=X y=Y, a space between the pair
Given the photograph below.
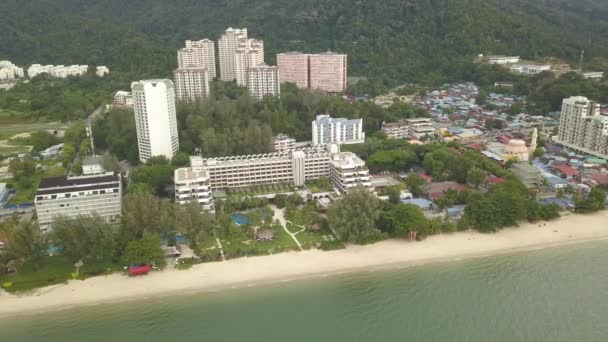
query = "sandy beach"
x=255 y=271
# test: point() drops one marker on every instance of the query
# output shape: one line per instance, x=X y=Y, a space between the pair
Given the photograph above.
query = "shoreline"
x=294 y=266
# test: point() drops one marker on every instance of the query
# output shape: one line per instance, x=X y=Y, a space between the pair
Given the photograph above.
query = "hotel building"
x=263 y=80
x=74 y=196
x=198 y=54
x=582 y=127
x=191 y=83
x=155 y=118
x=324 y=71
x=327 y=130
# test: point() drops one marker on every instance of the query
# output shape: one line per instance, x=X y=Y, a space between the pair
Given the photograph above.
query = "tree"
x=539 y=152
x=415 y=184
x=394 y=194
x=157 y=175
x=142 y=214
x=476 y=177
x=181 y=159
x=594 y=201
x=406 y=217
x=23 y=170
x=481 y=98
x=353 y=217
x=144 y=251
x=84 y=237
x=28 y=243
x=194 y=223
x=41 y=140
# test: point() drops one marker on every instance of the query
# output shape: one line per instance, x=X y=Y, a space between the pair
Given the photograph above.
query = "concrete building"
x=294 y=167
x=123 y=99
x=416 y=128
x=227 y=45
x=92 y=165
x=529 y=175
x=294 y=68
x=283 y=143
x=59 y=71
x=327 y=130
x=101 y=71
x=193 y=184
x=328 y=72
x=248 y=54
x=9 y=71
x=191 y=84
x=503 y=59
x=263 y=80
x=74 y=196
x=155 y=118
x=582 y=127
x=198 y=54
x=597 y=75
x=530 y=69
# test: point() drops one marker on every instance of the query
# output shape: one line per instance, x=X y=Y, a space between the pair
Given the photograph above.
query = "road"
x=96 y=114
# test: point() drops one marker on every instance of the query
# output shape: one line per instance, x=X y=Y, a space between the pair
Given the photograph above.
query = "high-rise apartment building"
x=227 y=45
x=327 y=130
x=191 y=84
x=249 y=53
x=263 y=80
x=324 y=71
x=155 y=118
x=582 y=127
x=198 y=54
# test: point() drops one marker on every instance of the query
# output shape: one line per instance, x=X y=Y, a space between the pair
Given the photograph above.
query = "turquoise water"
x=240 y=219
x=558 y=294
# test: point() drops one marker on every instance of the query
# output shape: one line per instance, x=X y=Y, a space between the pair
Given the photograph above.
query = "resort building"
x=263 y=80
x=191 y=83
x=74 y=196
x=9 y=71
x=198 y=54
x=227 y=45
x=123 y=99
x=582 y=127
x=417 y=128
x=101 y=71
x=155 y=118
x=324 y=71
x=327 y=130
x=192 y=184
x=345 y=170
x=283 y=143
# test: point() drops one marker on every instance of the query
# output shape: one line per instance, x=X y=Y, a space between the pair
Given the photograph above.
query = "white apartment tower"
x=327 y=130
x=263 y=80
x=155 y=118
x=198 y=54
x=191 y=84
x=227 y=45
x=582 y=127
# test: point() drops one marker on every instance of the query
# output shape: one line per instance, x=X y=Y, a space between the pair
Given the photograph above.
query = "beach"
x=256 y=271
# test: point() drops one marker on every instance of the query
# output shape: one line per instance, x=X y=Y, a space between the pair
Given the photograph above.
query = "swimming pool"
x=240 y=219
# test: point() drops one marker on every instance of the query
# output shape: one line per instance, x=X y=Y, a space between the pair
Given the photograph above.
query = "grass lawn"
x=52 y=270
x=9 y=130
x=309 y=239
x=14 y=149
x=245 y=245
x=11 y=117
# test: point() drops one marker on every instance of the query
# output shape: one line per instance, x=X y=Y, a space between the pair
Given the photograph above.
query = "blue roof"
x=419 y=202
x=563 y=203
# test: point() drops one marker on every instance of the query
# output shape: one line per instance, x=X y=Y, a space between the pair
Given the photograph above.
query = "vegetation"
x=144 y=251
x=595 y=200
x=353 y=217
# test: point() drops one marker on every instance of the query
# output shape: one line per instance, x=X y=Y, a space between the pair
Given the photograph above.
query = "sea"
x=554 y=294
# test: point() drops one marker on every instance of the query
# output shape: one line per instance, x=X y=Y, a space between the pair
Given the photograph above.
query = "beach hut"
x=264 y=235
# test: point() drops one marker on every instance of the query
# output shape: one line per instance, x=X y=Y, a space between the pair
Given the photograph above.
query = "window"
x=53 y=196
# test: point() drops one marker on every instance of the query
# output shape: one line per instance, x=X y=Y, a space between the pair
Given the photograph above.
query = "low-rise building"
x=530 y=69
x=102 y=70
x=9 y=71
x=92 y=165
x=123 y=99
x=498 y=59
x=528 y=174
x=594 y=75
x=60 y=71
x=283 y=143
x=74 y=196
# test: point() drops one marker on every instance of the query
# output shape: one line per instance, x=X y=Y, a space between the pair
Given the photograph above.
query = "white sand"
x=296 y=265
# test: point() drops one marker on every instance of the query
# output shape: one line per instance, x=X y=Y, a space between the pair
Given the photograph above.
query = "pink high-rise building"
x=293 y=67
x=324 y=71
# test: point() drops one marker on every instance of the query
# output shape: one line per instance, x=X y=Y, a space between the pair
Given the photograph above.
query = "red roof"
x=425 y=177
x=566 y=170
x=495 y=180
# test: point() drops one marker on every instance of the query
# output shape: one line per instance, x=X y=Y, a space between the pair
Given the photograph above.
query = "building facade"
x=193 y=184
x=74 y=196
x=263 y=80
x=248 y=54
x=328 y=72
x=227 y=45
x=503 y=59
x=191 y=84
x=530 y=69
x=198 y=54
x=347 y=171
x=59 y=71
x=101 y=71
x=293 y=68
x=123 y=99
x=417 y=128
x=283 y=143
x=155 y=118
x=9 y=71
x=327 y=130
x=582 y=127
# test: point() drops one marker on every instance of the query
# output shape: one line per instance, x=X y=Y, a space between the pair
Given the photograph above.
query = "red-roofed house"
x=437 y=190
x=565 y=171
x=594 y=179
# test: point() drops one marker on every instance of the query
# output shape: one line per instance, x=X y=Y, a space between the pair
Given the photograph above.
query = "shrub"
x=332 y=245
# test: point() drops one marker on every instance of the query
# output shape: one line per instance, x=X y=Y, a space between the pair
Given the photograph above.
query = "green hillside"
x=390 y=40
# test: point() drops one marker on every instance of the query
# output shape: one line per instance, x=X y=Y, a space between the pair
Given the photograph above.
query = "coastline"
x=292 y=266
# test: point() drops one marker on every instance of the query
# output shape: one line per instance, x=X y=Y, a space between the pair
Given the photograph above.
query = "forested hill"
x=388 y=40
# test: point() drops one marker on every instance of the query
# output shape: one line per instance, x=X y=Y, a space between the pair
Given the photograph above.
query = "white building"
x=123 y=99
x=102 y=70
x=59 y=71
x=92 y=165
x=198 y=54
x=415 y=128
x=582 y=127
x=327 y=130
x=295 y=167
x=283 y=143
x=593 y=75
x=155 y=118
x=248 y=54
x=530 y=69
x=263 y=80
x=191 y=83
x=503 y=59
x=227 y=45
x=9 y=71
x=74 y=196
